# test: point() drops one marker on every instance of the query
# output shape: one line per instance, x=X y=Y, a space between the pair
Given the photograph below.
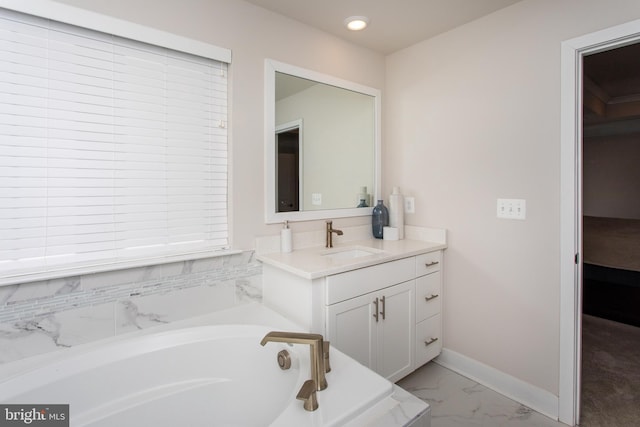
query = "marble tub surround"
x=312 y=262
x=392 y=408
x=400 y=409
x=44 y=316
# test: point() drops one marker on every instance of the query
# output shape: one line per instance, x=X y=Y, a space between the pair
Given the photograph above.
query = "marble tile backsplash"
x=44 y=316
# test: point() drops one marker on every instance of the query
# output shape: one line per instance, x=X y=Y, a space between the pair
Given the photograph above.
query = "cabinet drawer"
x=428 y=296
x=428 y=263
x=428 y=339
x=351 y=284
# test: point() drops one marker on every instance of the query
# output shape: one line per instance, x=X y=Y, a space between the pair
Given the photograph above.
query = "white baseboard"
x=529 y=395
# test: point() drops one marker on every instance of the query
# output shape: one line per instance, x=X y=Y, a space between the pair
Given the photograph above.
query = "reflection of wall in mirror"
x=338 y=141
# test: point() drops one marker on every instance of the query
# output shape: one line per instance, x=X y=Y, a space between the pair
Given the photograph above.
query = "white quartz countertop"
x=312 y=263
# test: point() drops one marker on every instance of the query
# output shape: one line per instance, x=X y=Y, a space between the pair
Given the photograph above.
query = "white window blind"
x=111 y=150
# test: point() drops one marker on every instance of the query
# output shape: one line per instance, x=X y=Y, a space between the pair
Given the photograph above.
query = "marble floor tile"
x=457 y=401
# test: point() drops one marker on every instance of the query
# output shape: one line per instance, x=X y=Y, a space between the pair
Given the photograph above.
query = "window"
x=112 y=151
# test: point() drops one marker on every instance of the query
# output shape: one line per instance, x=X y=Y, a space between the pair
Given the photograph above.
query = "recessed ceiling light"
x=356 y=23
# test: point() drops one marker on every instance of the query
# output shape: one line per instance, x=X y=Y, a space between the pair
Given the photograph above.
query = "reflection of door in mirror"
x=288 y=147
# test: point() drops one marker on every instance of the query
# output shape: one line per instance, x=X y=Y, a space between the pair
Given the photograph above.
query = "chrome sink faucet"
x=316 y=343
x=330 y=231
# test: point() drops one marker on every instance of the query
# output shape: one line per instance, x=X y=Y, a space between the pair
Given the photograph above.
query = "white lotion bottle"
x=286 y=243
x=396 y=211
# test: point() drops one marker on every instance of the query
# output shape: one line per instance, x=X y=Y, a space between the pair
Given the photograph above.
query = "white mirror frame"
x=271 y=216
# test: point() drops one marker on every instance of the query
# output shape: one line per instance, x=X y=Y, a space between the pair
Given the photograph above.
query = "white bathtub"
x=214 y=375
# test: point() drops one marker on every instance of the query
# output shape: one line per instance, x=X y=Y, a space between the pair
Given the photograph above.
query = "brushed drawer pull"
x=430 y=297
x=431 y=341
x=375 y=313
x=431 y=264
x=383 y=312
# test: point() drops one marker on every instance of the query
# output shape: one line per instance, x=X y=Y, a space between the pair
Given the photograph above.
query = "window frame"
x=93 y=21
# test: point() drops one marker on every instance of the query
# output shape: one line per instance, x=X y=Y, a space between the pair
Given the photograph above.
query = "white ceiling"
x=394 y=24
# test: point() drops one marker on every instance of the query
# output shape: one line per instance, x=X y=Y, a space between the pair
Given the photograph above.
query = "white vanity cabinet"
x=386 y=315
x=375 y=328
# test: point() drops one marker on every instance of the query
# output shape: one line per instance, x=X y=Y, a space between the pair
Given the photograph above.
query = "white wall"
x=252 y=34
x=473 y=115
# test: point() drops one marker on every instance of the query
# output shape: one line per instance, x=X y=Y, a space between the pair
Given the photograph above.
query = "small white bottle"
x=363 y=198
x=286 y=243
x=396 y=211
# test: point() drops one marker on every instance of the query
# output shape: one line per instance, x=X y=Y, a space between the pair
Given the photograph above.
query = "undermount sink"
x=350 y=253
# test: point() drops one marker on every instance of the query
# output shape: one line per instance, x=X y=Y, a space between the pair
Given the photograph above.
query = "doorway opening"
x=288 y=141
x=571 y=242
x=610 y=368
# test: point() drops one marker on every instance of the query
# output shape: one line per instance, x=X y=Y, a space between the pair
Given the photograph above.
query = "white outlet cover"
x=409 y=205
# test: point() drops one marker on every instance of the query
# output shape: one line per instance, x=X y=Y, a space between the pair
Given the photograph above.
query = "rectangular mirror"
x=322 y=145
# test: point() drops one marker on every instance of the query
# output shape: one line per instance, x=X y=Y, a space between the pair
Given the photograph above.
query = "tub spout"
x=316 y=345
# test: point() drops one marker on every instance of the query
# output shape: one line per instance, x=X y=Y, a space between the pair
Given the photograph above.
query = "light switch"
x=512 y=208
x=316 y=199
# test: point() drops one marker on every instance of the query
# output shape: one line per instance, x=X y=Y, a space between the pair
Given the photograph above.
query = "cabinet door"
x=352 y=329
x=396 y=345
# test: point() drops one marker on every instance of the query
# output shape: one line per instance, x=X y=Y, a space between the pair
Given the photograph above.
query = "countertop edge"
x=294 y=262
